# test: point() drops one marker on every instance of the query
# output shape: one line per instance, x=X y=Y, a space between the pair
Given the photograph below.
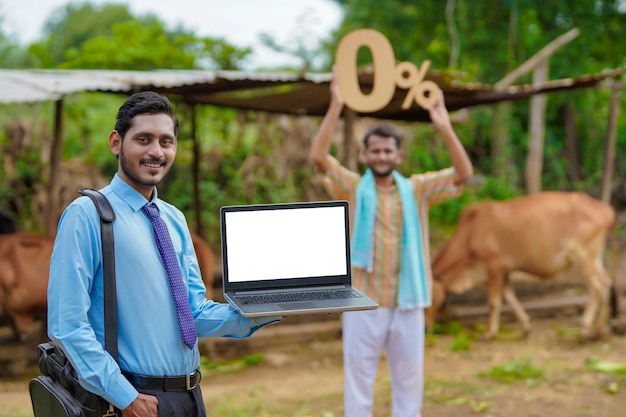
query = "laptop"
x=289 y=258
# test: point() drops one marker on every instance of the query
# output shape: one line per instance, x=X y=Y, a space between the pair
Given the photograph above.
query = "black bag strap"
x=107 y=216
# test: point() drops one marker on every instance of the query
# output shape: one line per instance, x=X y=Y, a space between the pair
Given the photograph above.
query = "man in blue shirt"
x=150 y=344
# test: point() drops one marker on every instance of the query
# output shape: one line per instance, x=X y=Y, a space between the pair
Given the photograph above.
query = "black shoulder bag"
x=57 y=392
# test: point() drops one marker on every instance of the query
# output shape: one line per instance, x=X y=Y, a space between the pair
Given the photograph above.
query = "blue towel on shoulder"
x=413 y=289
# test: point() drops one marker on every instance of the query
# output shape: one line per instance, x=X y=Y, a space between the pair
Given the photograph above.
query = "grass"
x=518 y=370
x=461 y=341
x=209 y=367
x=615 y=370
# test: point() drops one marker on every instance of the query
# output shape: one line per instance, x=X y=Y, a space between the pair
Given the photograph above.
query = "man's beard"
x=131 y=173
x=383 y=174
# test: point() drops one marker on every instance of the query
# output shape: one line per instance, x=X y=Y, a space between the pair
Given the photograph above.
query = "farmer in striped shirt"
x=390 y=256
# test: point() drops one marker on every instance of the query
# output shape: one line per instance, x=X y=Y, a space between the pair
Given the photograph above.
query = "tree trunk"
x=500 y=158
x=574 y=170
x=455 y=47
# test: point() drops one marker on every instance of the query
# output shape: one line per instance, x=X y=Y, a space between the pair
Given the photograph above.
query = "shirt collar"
x=131 y=196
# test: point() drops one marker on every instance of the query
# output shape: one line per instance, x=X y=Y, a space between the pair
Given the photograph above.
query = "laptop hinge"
x=296 y=289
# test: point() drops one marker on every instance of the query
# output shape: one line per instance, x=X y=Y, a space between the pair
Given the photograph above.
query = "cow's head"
x=456 y=281
x=463 y=276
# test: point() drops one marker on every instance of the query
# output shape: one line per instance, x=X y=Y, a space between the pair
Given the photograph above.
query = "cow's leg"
x=21 y=326
x=516 y=306
x=602 y=322
x=494 y=298
x=596 y=314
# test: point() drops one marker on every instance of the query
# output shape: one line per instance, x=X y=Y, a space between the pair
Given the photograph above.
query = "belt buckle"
x=188 y=384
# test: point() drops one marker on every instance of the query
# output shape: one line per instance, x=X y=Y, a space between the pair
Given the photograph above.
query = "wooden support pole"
x=53 y=211
x=609 y=149
x=536 y=132
x=195 y=172
x=536 y=60
x=499 y=134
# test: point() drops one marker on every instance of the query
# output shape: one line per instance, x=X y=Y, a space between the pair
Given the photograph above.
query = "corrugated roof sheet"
x=278 y=92
x=38 y=85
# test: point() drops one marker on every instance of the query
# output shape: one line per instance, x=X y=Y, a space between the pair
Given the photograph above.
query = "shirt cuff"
x=264 y=321
x=256 y=323
x=122 y=394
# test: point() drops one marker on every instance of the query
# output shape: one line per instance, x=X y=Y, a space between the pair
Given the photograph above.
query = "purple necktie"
x=166 y=249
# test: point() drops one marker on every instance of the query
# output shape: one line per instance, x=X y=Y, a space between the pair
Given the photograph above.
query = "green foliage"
x=616 y=372
x=241 y=159
x=446 y=214
x=519 y=370
x=452 y=327
x=461 y=343
x=109 y=36
x=617 y=369
x=498 y=36
x=12 y=55
x=134 y=44
x=21 y=166
x=217 y=53
x=491 y=41
x=210 y=368
x=71 y=25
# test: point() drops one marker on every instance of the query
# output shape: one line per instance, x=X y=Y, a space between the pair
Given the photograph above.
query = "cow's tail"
x=614 y=294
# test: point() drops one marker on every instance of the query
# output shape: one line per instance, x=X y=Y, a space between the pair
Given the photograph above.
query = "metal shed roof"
x=277 y=92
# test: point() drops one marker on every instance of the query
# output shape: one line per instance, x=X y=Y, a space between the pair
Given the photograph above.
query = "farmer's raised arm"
x=320 y=151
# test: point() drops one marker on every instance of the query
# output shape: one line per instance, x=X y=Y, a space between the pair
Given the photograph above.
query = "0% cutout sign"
x=387 y=74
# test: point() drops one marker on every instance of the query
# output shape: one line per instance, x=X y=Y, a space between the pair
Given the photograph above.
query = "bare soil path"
x=305 y=379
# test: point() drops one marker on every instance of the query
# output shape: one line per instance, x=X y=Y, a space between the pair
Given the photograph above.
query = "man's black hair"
x=145 y=102
x=384 y=130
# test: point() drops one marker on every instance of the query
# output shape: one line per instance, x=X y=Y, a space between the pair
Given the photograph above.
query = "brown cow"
x=541 y=234
x=24 y=270
x=206 y=261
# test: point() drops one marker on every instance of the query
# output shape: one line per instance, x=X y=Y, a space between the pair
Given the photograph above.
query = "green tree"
x=12 y=55
x=497 y=36
x=484 y=42
x=135 y=45
x=217 y=53
x=69 y=26
x=110 y=37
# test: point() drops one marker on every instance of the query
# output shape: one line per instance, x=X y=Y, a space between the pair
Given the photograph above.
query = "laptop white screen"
x=285 y=243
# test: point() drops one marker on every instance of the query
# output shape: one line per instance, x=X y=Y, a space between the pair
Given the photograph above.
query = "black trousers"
x=179 y=403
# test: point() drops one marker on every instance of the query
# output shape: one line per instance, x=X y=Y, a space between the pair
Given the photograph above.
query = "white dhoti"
x=401 y=334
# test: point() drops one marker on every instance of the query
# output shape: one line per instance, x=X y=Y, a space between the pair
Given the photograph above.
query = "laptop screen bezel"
x=344 y=279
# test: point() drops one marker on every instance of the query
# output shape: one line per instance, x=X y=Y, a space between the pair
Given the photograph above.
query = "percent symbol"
x=424 y=92
x=386 y=74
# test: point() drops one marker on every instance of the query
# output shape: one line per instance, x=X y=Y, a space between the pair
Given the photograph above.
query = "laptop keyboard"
x=297 y=296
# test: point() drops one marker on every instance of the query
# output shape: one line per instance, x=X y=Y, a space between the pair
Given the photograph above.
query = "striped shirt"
x=430 y=188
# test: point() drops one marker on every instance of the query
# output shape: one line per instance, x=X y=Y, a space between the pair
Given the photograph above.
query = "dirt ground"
x=548 y=374
x=305 y=379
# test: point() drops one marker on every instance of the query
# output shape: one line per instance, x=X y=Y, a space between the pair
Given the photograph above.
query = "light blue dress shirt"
x=149 y=336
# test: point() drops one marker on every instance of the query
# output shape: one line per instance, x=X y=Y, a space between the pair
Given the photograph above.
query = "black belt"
x=165 y=383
